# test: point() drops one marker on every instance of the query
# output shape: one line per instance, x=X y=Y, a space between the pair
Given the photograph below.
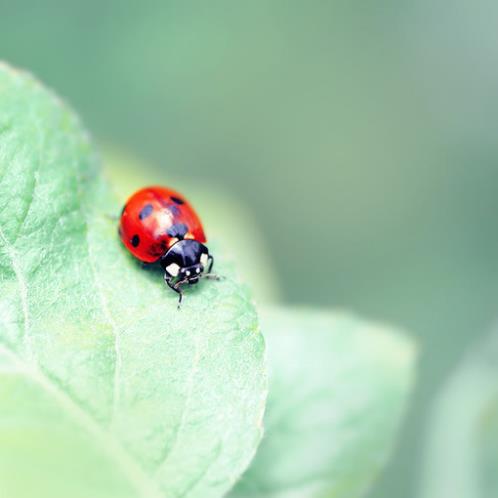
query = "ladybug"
x=158 y=224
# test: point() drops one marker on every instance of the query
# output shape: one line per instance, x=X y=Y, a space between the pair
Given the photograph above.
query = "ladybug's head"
x=186 y=261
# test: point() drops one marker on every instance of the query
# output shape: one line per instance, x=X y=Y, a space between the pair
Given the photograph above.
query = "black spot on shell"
x=146 y=211
x=135 y=240
x=178 y=230
x=177 y=200
x=174 y=209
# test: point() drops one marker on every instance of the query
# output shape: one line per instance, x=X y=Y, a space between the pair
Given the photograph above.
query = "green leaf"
x=106 y=389
x=338 y=388
x=461 y=451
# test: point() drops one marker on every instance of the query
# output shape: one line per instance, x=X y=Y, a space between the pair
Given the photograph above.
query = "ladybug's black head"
x=186 y=261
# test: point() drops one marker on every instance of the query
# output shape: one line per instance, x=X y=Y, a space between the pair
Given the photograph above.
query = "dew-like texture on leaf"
x=106 y=389
x=338 y=388
x=461 y=448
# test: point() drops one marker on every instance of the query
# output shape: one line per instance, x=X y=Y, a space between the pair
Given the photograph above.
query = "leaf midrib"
x=115 y=329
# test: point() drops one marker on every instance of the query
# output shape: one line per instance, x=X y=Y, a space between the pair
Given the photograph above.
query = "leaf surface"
x=461 y=450
x=338 y=388
x=106 y=389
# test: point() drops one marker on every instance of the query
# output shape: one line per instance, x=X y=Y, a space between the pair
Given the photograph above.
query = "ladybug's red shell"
x=153 y=219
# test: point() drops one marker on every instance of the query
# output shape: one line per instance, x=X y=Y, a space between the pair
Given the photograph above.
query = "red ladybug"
x=159 y=224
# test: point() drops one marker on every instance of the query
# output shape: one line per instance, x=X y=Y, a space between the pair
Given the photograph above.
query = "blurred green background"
x=361 y=136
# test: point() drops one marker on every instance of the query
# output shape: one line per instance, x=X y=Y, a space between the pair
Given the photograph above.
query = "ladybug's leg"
x=208 y=274
x=176 y=287
x=179 y=290
x=180 y=295
x=169 y=281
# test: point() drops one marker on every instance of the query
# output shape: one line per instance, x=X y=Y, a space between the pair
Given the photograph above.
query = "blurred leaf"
x=225 y=219
x=461 y=453
x=338 y=388
x=106 y=389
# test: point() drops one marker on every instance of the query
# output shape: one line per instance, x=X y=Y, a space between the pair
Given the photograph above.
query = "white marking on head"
x=187 y=273
x=197 y=270
x=173 y=269
x=204 y=259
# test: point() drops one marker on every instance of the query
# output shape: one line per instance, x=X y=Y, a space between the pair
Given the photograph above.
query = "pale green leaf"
x=106 y=389
x=338 y=389
x=461 y=451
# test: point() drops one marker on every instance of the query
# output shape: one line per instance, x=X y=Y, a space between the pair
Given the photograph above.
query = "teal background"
x=361 y=135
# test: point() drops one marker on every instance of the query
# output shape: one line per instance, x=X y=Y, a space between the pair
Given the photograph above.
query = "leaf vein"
x=23 y=292
x=109 y=444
